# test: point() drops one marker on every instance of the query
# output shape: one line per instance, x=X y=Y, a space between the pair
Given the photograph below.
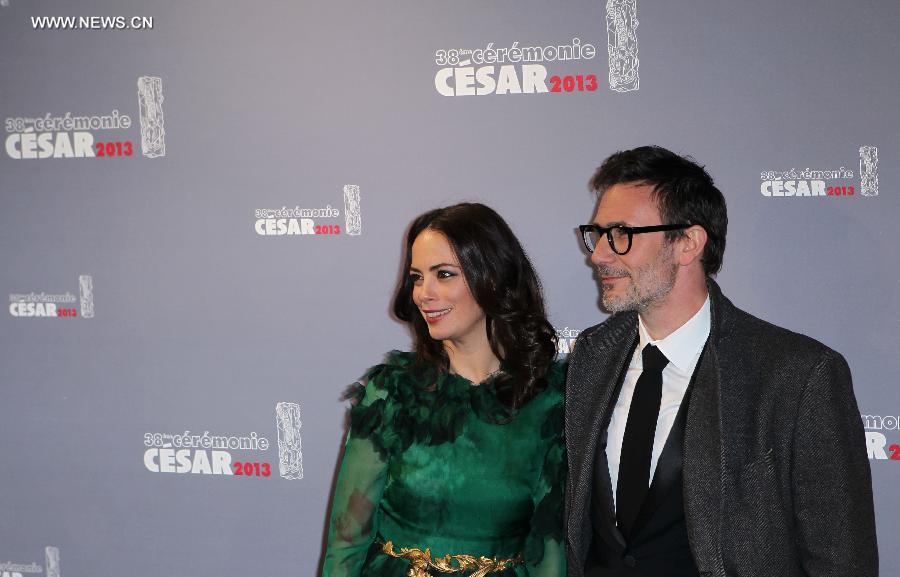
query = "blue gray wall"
x=187 y=339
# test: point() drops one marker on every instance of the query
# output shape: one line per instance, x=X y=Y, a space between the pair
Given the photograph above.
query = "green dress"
x=449 y=468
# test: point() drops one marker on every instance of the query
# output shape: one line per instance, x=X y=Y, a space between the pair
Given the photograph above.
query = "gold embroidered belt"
x=421 y=562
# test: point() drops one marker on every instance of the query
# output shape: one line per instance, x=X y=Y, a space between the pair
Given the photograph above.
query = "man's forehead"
x=627 y=202
x=634 y=185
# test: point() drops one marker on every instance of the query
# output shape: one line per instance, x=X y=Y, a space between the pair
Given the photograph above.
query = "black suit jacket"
x=776 y=480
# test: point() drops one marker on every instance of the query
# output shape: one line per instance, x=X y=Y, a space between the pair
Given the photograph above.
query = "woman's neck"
x=473 y=363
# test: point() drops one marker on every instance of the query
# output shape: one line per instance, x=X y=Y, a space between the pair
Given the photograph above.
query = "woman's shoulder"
x=548 y=409
x=548 y=405
x=557 y=371
x=394 y=362
x=374 y=400
x=556 y=379
x=396 y=365
x=398 y=370
x=400 y=402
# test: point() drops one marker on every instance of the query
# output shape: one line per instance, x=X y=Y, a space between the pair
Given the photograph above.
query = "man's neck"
x=678 y=307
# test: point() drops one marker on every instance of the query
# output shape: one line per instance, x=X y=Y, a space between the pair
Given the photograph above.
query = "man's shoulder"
x=750 y=335
x=598 y=344
x=610 y=331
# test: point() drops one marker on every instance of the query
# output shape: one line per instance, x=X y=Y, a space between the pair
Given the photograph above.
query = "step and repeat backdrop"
x=204 y=203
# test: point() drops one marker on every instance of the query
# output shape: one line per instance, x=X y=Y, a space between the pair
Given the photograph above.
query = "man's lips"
x=610 y=276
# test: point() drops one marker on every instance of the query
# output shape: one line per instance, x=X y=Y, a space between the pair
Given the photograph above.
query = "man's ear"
x=690 y=245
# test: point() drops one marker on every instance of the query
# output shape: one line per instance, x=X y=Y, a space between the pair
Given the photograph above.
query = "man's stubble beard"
x=655 y=281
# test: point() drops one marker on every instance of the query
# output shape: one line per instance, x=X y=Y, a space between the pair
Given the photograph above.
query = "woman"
x=454 y=460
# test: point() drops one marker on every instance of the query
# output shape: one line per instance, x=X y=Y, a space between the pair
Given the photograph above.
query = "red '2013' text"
x=252 y=469
x=110 y=149
x=840 y=191
x=576 y=83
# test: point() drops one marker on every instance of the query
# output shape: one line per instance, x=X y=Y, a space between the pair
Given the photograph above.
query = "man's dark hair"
x=505 y=286
x=684 y=193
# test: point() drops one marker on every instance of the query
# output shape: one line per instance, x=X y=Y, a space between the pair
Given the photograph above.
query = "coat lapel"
x=595 y=370
x=605 y=507
x=703 y=463
x=703 y=451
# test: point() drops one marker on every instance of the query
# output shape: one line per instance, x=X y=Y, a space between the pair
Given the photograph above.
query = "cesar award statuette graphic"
x=86 y=288
x=52 y=557
x=352 y=217
x=868 y=170
x=290 y=457
x=621 y=34
x=153 y=131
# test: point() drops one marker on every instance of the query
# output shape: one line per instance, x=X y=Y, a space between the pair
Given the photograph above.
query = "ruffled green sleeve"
x=545 y=552
x=360 y=484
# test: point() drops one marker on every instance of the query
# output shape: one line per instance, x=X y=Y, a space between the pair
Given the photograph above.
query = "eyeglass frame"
x=629 y=230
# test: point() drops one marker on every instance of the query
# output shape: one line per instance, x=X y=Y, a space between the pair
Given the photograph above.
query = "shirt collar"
x=684 y=344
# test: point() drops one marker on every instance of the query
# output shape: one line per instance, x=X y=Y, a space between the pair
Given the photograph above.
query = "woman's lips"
x=435 y=315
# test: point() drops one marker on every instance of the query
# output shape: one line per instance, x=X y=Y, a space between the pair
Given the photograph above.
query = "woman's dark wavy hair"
x=505 y=286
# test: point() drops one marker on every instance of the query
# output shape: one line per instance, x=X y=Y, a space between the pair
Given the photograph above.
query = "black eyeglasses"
x=619 y=237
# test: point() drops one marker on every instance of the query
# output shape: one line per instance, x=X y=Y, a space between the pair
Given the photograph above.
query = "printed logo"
x=511 y=70
x=290 y=456
x=204 y=454
x=352 y=215
x=51 y=556
x=90 y=136
x=286 y=221
x=229 y=455
x=622 y=46
x=518 y=69
x=868 y=170
x=153 y=133
x=60 y=305
x=807 y=183
x=565 y=340
x=86 y=287
x=877 y=443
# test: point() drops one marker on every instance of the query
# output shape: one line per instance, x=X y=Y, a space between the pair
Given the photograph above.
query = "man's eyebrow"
x=612 y=224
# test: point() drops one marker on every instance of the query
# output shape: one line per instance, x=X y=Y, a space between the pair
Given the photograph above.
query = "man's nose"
x=603 y=253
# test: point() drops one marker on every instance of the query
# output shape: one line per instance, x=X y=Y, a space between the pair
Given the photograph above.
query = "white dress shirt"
x=682 y=347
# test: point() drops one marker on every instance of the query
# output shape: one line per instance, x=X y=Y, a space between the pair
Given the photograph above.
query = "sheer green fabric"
x=434 y=462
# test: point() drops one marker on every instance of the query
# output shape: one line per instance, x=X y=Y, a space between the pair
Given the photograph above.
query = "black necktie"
x=637 y=444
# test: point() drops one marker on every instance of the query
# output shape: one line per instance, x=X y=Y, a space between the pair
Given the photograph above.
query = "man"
x=702 y=441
